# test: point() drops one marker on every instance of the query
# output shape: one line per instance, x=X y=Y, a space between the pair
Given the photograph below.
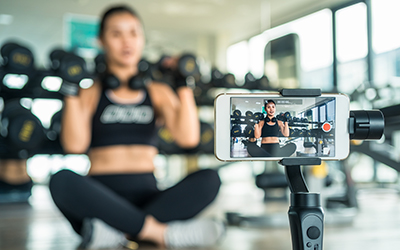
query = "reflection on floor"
x=39 y=225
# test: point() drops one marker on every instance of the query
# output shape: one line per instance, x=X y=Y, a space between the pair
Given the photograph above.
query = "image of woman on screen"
x=268 y=130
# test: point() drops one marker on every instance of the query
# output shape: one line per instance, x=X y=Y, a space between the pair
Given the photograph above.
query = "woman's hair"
x=269 y=101
x=115 y=10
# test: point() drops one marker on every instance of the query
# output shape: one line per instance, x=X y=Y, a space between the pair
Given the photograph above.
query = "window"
x=313 y=51
x=351 y=33
x=322 y=113
x=315 y=117
x=314 y=48
x=351 y=46
x=238 y=60
x=385 y=22
x=330 y=111
x=385 y=41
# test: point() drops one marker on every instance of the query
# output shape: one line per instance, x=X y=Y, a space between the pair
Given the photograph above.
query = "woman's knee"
x=293 y=148
x=60 y=181
x=212 y=177
x=256 y=151
x=289 y=149
x=207 y=180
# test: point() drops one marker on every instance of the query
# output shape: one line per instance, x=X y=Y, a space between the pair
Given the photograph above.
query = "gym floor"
x=39 y=225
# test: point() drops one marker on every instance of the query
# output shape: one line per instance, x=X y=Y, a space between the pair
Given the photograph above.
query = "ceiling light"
x=6 y=19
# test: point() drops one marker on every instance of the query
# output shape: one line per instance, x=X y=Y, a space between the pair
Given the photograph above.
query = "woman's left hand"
x=284 y=127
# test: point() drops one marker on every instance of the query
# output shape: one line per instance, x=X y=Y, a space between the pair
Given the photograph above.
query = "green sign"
x=81 y=32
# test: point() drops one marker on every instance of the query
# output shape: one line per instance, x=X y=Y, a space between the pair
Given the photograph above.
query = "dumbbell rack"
x=310 y=133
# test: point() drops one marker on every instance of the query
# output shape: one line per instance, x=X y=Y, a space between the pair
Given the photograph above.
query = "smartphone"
x=268 y=126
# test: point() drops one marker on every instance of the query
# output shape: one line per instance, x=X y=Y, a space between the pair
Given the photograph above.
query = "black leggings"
x=124 y=200
x=275 y=150
x=256 y=151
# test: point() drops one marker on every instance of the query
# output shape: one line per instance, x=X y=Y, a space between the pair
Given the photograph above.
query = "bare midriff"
x=122 y=159
x=13 y=171
x=266 y=140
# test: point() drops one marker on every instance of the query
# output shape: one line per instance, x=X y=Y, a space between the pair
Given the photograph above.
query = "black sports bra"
x=123 y=124
x=270 y=130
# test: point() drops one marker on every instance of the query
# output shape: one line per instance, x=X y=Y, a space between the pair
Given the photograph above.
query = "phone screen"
x=282 y=127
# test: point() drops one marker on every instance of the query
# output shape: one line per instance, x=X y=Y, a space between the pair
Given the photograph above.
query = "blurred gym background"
x=347 y=46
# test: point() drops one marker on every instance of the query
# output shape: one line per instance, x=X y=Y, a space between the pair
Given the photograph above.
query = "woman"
x=269 y=129
x=119 y=197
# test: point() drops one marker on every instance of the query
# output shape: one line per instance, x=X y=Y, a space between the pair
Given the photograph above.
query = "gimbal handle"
x=306 y=216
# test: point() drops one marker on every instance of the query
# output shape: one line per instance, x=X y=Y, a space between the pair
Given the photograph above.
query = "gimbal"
x=306 y=216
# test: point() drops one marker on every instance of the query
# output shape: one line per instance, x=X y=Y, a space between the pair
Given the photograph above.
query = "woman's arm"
x=179 y=113
x=77 y=119
x=257 y=129
x=284 y=127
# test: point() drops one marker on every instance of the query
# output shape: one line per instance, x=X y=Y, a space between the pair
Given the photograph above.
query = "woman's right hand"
x=77 y=120
x=257 y=129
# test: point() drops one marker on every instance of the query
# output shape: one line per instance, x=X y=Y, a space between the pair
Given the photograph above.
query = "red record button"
x=326 y=127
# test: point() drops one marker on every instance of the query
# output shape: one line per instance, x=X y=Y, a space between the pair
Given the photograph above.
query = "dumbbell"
x=237 y=114
x=68 y=66
x=177 y=71
x=187 y=66
x=236 y=131
x=263 y=83
x=187 y=72
x=284 y=117
x=217 y=78
x=304 y=120
x=229 y=81
x=249 y=115
x=17 y=59
x=281 y=117
x=288 y=116
x=303 y=133
x=249 y=131
x=18 y=66
x=22 y=130
x=258 y=116
x=72 y=70
x=250 y=82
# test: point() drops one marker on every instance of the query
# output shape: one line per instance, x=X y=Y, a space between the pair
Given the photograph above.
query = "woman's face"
x=123 y=39
x=271 y=109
